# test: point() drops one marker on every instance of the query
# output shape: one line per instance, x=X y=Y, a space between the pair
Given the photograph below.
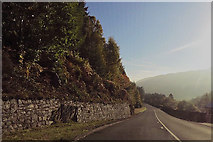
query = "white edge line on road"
x=167 y=128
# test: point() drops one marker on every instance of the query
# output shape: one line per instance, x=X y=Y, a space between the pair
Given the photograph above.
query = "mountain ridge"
x=183 y=85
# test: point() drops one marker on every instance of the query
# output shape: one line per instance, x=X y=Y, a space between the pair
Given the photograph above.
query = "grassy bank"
x=138 y=110
x=60 y=131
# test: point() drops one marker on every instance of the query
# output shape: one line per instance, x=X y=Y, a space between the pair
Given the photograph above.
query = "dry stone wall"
x=24 y=114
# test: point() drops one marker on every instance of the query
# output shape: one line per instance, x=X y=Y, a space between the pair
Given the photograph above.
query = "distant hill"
x=183 y=85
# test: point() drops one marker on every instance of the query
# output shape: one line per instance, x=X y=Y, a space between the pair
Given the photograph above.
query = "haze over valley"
x=183 y=85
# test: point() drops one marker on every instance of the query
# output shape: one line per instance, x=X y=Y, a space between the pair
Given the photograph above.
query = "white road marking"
x=167 y=128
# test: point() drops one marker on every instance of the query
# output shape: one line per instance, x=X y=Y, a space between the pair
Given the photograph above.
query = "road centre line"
x=167 y=128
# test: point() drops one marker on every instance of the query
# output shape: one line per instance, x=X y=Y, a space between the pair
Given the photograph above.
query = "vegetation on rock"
x=57 y=50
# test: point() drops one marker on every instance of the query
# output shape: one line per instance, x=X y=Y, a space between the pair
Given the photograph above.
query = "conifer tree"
x=92 y=48
x=112 y=58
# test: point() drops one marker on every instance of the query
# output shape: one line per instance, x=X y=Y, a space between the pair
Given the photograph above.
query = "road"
x=153 y=124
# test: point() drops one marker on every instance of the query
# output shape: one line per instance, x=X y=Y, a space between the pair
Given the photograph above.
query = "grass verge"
x=138 y=110
x=60 y=131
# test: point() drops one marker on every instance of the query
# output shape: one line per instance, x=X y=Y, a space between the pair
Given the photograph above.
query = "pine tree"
x=112 y=58
x=92 y=48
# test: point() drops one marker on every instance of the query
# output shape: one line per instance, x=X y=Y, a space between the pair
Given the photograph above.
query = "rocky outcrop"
x=65 y=114
x=24 y=114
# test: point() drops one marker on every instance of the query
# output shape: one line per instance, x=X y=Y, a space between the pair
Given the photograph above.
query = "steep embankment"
x=57 y=50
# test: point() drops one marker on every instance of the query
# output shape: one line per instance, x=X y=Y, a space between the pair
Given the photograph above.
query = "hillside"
x=57 y=50
x=183 y=85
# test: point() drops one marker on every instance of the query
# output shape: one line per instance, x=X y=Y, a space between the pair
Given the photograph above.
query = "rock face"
x=65 y=114
x=24 y=114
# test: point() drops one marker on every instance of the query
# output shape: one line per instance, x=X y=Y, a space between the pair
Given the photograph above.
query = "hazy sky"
x=158 y=38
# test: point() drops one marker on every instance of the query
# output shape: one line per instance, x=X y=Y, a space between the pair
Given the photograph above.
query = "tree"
x=171 y=96
x=60 y=41
x=202 y=101
x=186 y=106
x=92 y=49
x=37 y=28
x=141 y=92
x=155 y=99
x=170 y=102
x=112 y=58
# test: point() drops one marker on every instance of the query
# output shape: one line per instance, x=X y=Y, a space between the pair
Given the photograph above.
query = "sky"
x=157 y=38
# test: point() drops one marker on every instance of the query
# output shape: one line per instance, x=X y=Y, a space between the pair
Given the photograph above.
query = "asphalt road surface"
x=153 y=124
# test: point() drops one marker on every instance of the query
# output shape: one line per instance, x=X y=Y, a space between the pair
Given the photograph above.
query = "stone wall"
x=24 y=114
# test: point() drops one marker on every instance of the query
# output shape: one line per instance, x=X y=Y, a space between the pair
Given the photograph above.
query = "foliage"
x=141 y=91
x=92 y=49
x=161 y=100
x=201 y=101
x=135 y=98
x=57 y=50
x=51 y=28
x=186 y=106
x=112 y=58
x=154 y=99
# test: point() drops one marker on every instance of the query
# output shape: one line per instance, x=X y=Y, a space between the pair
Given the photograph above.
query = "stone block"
x=40 y=118
x=10 y=127
x=34 y=125
x=50 y=122
x=6 y=106
x=15 y=126
x=43 y=123
x=28 y=112
x=44 y=118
